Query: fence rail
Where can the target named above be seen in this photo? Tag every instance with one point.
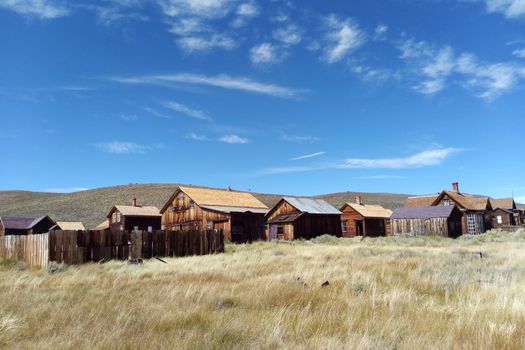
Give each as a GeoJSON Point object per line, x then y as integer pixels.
{"type": "Point", "coordinates": [77, 247]}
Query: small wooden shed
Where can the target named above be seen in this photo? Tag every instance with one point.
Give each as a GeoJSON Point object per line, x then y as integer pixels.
{"type": "Point", "coordinates": [505, 212]}
{"type": "Point", "coordinates": [292, 218]}
{"type": "Point", "coordinates": [368, 220]}
{"type": "Point", "coordinates": [69, 226]}
{"type": "Point", "coordinates": [10, 225]}
{"type": "Point", "coordinates": [442, 221]}
{"type": "Point", "coordinates": [134, 217]}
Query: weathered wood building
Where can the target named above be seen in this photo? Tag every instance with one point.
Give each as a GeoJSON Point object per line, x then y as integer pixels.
{"type": "Point", "coordinates": [292, 218]}
{"type": "Point", "coordinates": [238, 214]}
{"type": "Point", "coordinates": [367, 220]}
{"type": "Point", "coordinates": [476, 210]}
{"type": "Point", "coordinates": [134, 217]}
{"type": "Point", "coordinates": [442, 221]}
{"type": "Point", "coordinates": [505, 212]}
{"type": "Point", "coordinates": [10, 225]}
{"type": "Point", "coordinates": [69, 226]}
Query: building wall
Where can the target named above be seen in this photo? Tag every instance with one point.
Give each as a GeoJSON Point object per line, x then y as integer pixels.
{"type": "Point", "coordinates": [350, 216]}
{"type": "Point", "coordinates": [142, 222]}
{"type": "Point", "coordinates": [2, 230]}
{"type": "Point", "coordinates": [421, 227]}
{"type": "Point", "coordinates": [313, 225]}
{"type": "Point", "coordinates": [506, 218]}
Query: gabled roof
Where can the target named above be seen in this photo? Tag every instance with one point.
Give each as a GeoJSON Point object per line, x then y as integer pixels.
{"type": "Point", "coordinates": [18, 223]}
{"type": "Point", "coordinates": [311, 205]}
{"type": "Point", "coordinates": [129, 210]}
{"type": "Point", "coordinates": [465, 201]}
{"type": "Point", "coordinates": [229, 210]}
{"type": "Point", "coordinates": [421, 201]}
{"type": "Point", "coordinates": [284, 218]}
{"type": "Point", "coordinates": [104, 225]}
{"type": "Point", "coordinates": [217, 198]}
{"type": "Point", "coordinates": [424, 213]}
{"type": "Point", "coordinates": [503, 203]}
{"type": "Point", "coordinates": [70, 226]}
{"type": "Point", "coordinates": [369, 211]}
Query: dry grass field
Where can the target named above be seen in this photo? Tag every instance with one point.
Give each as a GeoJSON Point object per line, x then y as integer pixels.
{"type": "Point", "coordinates": [386, 293]}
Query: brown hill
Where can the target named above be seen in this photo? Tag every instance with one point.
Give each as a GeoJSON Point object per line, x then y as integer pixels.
{"type": "Point", "coordinates": [91, 206]}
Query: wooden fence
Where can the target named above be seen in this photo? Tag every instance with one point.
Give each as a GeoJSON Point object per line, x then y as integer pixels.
{"type": "Point", "coordinates": [32, 249]}
{"type": "Point", "coordinates": [77, 247]}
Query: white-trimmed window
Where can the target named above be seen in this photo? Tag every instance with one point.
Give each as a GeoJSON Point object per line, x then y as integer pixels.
{"type": "Point", "coordinates": [344, 226]}
{"type": "Point", "coordinates": [150, 229]}
{"type": "Point", "coordinates": [500, 219]}
{"type": "Point", "coordinates": [446, 202]}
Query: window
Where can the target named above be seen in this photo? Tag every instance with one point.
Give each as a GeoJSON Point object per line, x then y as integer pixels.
{"type": "Point", "coordinates": [114, 218]}
{"type": "Point", "coordinates": [192, 204]}
{"type": "Point", "coordinates": [446, 202]}
{"type": "Point", "coordinates": [118, 216]}
{"type": "Point", "coordinates": [171, 209]}
{"type": "Point", "coordinates": [150, 229]}
{"type": "Point", "coordinates": [344, 226]}
{"type": "Point", "coordinates": [135, 228]}
{"type": "Point", "coordinates": [209, 225]}
{"type": "Point", "coordinates": [500, 219]}
{"type": "Point", "coordinates": [280, 230]}
{"type": "Point", "coordinates": [180, 195]}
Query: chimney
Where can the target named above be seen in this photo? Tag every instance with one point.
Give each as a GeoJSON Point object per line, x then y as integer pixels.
{"type": "Point", "coordinates": [455, 187]}
{"type": "Point", "coordinates": [134, 202]}
{"type": "Point", "coordinates": [359, 200]}
{"type": "Point", "coordinates": [229, 188]}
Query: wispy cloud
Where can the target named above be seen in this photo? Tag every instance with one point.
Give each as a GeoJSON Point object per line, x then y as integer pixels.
{"type": "Point", "coordinates": [206, 42]}
{"type": "Point", "coordinates": [509, 8]}
{"type": "Point", "coordinates": [219, 81]}
{"type": "Point", "coordinates": [156, 113]}
{"type": "Point", "coordinates": [119, 147]}
{"type": "Point", "coordinates": [76, 88]}
{"type": "Point", "coordinates": [343, 37]}
{"type": "Point", "coordinates": [379, 177]}
{"type": "Point", "coordinates": [129, 117]}
{"type": "Point", "coordinates": [288, 35]}
{"type": "Point", "coordinates": [233, 139]}
{"type": "Point", "coordinates": [311, 155]}
{"type": "Point", "coordinates": [265, 53]}
{"type": "Point", "coordinates": [245, 12]}
{"type": "Point", "coordinates": [422, 159]}
{"type": "Point", "coordinates": [435, 67]}
{"type": "Point", "coordinates": [301, 139]}
{"type": "Point", "coordinates": [43, 9]}
{"type": "Point", "coordinates": [520, 53]}
{"type": "Point", "coordinates": [179, 107]}
{"type": "Point", "coordinates": [196, 137]}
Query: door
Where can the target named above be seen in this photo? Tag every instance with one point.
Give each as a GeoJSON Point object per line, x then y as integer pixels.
{"type": "Point", "coordinates": [359, 227]}
{"type": "Point", "coordinates": [273, 232]}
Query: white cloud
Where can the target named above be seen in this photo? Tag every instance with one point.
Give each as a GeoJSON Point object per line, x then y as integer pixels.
{"type": "Point", "coordinates": [434, 67]}
{"type": "Point", "coordinates": [371, 74]}
{"type": "Point", "coordinates": [200, 8]}
{"type": "Point", "coordinates": [129, 117]}
{"type": "Point", "coordinates": [196, 137]}
{"type": "Point", "coordinates": [510, 8]}
{"type": "Point", "coordinates": [118, 147]}
{"type": "Point", "coordinates": [289, 35]}
{"type": "Point", "coordinates": [187, 26]}
{"type": "Point", "coordinates": [66, 190]}
{"type": "Point", "coordinates": [233, 139]}
{"type": "Point", "coordinates": [302, 139]}
{"type": "Point", "coordinates": [179, 107]}
{"type": "Point", "coordinates": [520, 53]}
{"type": "Point", "coordinates": [156, 113]}
{"type": "Point", "coordinates": [220, 81]}
{"type": "Point", "coordinates": [311, 155]}
{"type": "Point", "coordinates": [421, 159]}
{"type": "Point", "coordinates": [343, 37]}
{"type": "Point", "coordinates": [264, 53]}
{"type": "Point", "coordinates": [248, 9]}
{"type": "Point", "coordinates": [206, 42]}
{"type": "Point", "coordinates": [43, 9]}
{"type": "Point", "coordinates": [380, 32]}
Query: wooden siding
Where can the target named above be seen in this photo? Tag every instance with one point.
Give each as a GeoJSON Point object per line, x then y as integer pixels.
{"type": "Point", "coordinates": [31, 249]}
{"type": "Point", "coordinates": [372, 227]}
{"type": "Point", "coordinates": [2, 231]}
{"type": "Point", "coordinates": [421, 227]}
{"type": "Point", "coordinates": [181, 214]}
{"type": "Point", "coordinates": [352, 218]}
{"type": "Point", "coordinates": [506, 218]}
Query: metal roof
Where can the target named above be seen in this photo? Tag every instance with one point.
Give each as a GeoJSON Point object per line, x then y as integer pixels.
{"type": "Point", "coordinates": [440, 211]}
{"type": "Point", "coordinates": [283, 218]}
{"type": "Point", "coordinates": [228, 210]}
{"type": "Point", "coordinates": [311, 206]}
{"type": "Point", "coordinates": [17, 223]}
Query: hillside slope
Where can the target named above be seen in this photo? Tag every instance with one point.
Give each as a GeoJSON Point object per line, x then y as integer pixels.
{"type": "Point", "coordinates": [91, 206]}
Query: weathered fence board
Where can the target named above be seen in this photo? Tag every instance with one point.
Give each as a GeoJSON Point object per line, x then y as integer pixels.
{"type": "Point", "coordinates": [31, 249]}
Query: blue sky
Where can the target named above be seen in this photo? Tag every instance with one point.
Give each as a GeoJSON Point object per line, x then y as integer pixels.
{"type": "Point", "coordinates": [296, 97]}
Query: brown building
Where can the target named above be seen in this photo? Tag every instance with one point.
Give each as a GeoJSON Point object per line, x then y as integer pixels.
{"type": "Point", "coordinates": [239, 214]}
{"type": "Point", "coordinates": [476, 210]}
{"type": "Point", "coordinates": [134, 218]}
{"type": "Point", "coordinates": [10, 225]}
{"type": "Point", "coordinates": [69, 226]}
{"type": "Point", "coordinates": [360, 219]}
{"type": "Point", "coordinates": [445, 221]}
{"type": "Point", "coordinates": [505, 212]}
{"type": "Point", "coordinates": [293, 218]}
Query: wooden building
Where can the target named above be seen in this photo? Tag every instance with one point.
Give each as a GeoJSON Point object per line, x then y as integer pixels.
{"type": "Point", "coordinates": [69, 226]}
{"type": "Point", "coordinates": [367, 220]}
{"type": "Point", "coordinates": [293, 218]}
{"type": "Point", "coordinates": [505, 212]}
{"type": "Point", "coordinates": [442, 221]}
{"type": "Point", "coordinates": [476, 210]}
{"type": "Point", "coordinates": [238, 214]}
{"type": "Point", "coordinates": [10, 225]}
{"type": "Point", "coordinates": [134, 217]}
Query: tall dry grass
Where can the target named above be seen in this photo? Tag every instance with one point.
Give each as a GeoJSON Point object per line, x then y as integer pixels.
{"type": "Point", "coordinates": [389, 293]}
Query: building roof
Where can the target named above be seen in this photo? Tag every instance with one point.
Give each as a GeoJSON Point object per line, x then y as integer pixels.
{"type": "Point", "coordinates": [421, 201]}
{"type": "Point", "coordinates": [104, 225]}
{"type": "Point", "coordinates": [70, 225]}
{"type": "Point", "coordinates": [219, 198]}
{"type": "Point", "coordinates": [311, 205]}
{"type": "Point", "coordinates": [370, 211]}
{"type": "Point", "coordinates": [503, 203]}
{"type": "Point", "coordinates": [465, 201]}
{"type": "Point", "coordinates": [19, 223]}
{"type": "Point", "coordinates": [284, 218]}
{"type": "Point", "coordinates": [129, 210]}
{"type": "Point", "coordinates": [440, 211]}
{"type": "Point", "coordinates": [229, 210]}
